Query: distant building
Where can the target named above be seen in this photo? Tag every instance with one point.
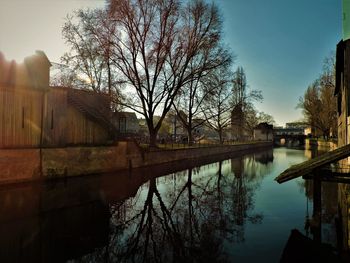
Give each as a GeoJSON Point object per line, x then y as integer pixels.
{"type": "Point", "coordinates": [126, 123]}
{"type": "Point", "coordinates": [237, 123]}
{"type": "Point", "coordinates": [296, 124]}
{"type": "Point", "coordinates": [178, 130]}
{"type": "Point", "coordinates": [200, 129]}
{"type": "Point", "coordinates": [288, 131]}
{"type": "Point", "coordinates": [308, 131]}
{"type": "Point", "coordinates": [263, 132]}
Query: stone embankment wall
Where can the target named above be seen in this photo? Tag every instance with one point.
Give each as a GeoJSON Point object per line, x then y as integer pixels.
{"type": "Point", "coordinates": [323, 145]}
{"type": "Point", "coordinates": [18, 165]}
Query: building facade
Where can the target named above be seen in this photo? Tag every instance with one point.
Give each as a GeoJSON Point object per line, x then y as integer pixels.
{"type": "Point", "coordinates": [343, 97]}
{"type": "Point", "coordinates": [33, 114]}
{"type": "Point", "coordinates": [126, 123]}
{"type": "Point", "coordinates": [263, 132]}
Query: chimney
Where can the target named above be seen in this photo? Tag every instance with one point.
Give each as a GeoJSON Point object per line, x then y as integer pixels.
{"type": "Point", "coordinates": [38, 66]}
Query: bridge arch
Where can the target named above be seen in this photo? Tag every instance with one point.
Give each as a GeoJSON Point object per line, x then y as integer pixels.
{"type": "Point", "coordinates": [289, 136]}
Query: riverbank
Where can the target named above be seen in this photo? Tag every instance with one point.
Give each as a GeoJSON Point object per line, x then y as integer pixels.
{"type": "Point", "coordinates": [21, 165]}
{"type": "Point", "coordinates": [322, 144]}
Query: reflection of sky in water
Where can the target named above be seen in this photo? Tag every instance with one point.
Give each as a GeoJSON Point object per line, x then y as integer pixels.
{"type": "Point", "coordinates": [231, 210]}
{"type": "Point", "coordinates": [252, 215]}
{"type": "Point", "coordinates": [283, 207]}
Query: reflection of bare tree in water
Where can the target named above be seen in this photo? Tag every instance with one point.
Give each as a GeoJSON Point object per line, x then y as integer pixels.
{"type": "Point", "coordinates": [246, 180]}
{"type": "Point", "coordinates": [150, 231]}
{"type": "Point", "coordinates": [185, 219]}
{"type": "Point", "coordinates": [240, 204]}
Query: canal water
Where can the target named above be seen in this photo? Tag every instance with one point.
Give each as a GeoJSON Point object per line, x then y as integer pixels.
{"type": "Point", "coordinates": [224, 211]}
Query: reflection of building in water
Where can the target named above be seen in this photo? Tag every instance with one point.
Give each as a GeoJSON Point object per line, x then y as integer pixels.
{"type": "Point", "coordinates": [256, 165]}
{"type": "Point", "coordinates": [264, 157]}
{"type": "Point", "coordinates": [237, 166]}
{"type": "Point", "coordinates": [327, 167]}
{"type": "Point", "coordinates": [51, 224]}
{"type": "Point", "coordinates": [320, 245]}
{"type": "Point", "coordinates": [308, 153]}
{"type": "Point", "coordinates": [344, 218]}
{"type": "Point", "coordinates": [62, 220]}
{"type": "Point", "coordinates": [332, 166]}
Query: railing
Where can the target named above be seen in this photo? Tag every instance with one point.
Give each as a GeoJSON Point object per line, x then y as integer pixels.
{"type": "Point", "coordinates": [182, 145]}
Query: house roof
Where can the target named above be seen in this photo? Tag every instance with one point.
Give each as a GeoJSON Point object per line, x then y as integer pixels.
{"type": "Point", "coordinates": [128, 115]}
{"type": "Point", "coordinates": [264, 126]}
{"type": "Point", "coordinates": [39, 55]}
{"type": "Point", "coordinates": [309, 166]}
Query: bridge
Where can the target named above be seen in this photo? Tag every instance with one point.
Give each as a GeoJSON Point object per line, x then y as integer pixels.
{"type": "Point", "coordinates": [289, 136]}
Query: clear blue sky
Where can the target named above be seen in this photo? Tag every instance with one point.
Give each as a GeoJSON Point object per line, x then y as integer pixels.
{"type": "Point", "coordinates": [280, 43]}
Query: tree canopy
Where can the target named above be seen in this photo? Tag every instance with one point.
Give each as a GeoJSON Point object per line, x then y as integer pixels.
{"type": "Point", "coordinates": [319, 104]}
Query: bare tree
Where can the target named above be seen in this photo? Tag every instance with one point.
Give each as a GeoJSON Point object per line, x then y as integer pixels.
{"type": "Point", "coordinates": [319, 103]}
{"type": "Point", "coordinates": [62, 75]}
{"type": "Point", "coordinates": [88, 33]}
{"type": "Point", "coordinates": [252, 118]}
{"type": "Point", "coordinates": [311, 104]}
{"type": "Point", "coordinates": [327, 87]}
{"type": "Point", "coordinates": [193, 95]}
{"type": "Point", "coordinates": [264, 117]}
{"type": "Point", "coordinates": [243, 112]}
{"type": "Point", "coordinates": [154, 47]}
{"type": "Point", "coordinates": [217, 107]}
{"type": "Point", "coordinates": [84, 57]}
{"type": "Point", "coordinates": [187, 106]}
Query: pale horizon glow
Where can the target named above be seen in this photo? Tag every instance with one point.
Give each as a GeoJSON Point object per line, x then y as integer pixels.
{"type": "Point", "coordinates": [30, 25]}
{"type": "Point", "coordinates": [280, 44]}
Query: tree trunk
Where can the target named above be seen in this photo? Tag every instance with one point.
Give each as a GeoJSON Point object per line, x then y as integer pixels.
{"type": "Point", "coordinates": [189, 137]}
{"type": "Point", "coordinates": [152, 138]}
{"type": "Point", "coordinates": [221, 137]}
{"type": "Point", "coordinates": [190, 209]}
{"type": "Point", "coordinates": [109, 79]}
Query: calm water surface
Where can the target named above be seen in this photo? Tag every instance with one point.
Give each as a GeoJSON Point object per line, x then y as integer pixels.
{"type": "Point", "coordinates": [226, 211]}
